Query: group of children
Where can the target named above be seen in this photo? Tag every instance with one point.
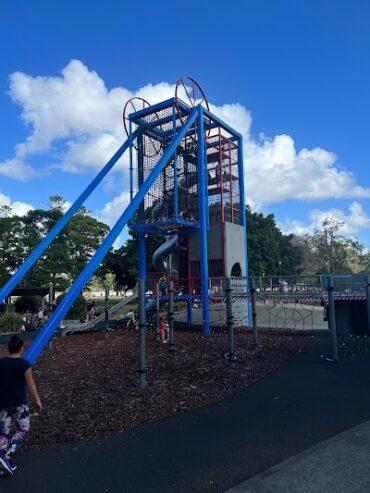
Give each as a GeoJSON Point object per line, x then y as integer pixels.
{"type": "Point", "coordinates": [31, 321]}
{"type": "Point", "coordinates": [133, 323]}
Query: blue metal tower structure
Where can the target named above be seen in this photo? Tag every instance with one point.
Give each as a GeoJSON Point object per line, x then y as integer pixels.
{"type": "Point", "coordinates": [169, 190]}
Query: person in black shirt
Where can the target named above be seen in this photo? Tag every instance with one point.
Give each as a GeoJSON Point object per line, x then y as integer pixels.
{"type": "Point", "coordinates": [15, 377]}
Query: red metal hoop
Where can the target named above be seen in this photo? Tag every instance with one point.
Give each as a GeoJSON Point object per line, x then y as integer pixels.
{"type": "Point", "coordinates": [132, 106]}
{"type": "Point", "coordinates": [190, 93]}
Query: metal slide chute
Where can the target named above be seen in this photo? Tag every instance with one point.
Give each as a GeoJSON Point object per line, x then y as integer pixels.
{"type": "Point", "coordinates": [63, 307]}
{"type": "Point", "coordinates": [163, 251]}
{"type": "Point", "coordinates": [80, 327]}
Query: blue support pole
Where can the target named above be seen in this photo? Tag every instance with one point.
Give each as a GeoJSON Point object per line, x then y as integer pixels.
{"type": "Point", "coordinates": [131, 163]}
{"type": "Point", "coordinates": [243, 219]}
{"type": "Point", "coordinates": [175, 181]}
{"type": "Point", "coordinates": [206, 187]}
{"type": "Point", "coordinates": [42, 246]}
{"type": "Point", "coordinates": [203, 212]}
{"type": "Point", "coordinates": [63, 307]}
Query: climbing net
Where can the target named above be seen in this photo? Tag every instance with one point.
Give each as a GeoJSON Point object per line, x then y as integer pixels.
{"type": "Point", "coordinates": [291, 313]}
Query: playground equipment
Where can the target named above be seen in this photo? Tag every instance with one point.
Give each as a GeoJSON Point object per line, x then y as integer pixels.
{"type": "Point", "coordinates": [187, 183]}
{"type": "Point", "coordinates": [73, 326]}
{"type": "Point", "coordinates": [197, 201]}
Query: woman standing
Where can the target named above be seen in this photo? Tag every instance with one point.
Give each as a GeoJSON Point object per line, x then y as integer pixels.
{"type": "Point", "coordinates": [15, 377]}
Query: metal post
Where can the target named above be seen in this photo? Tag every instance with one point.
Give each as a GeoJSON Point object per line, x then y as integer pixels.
{"type": "Point", "coordinates": [51, 308]}
{"type": "Point", "coordinates": [157, 306]}
{"type": "Point", "coordinates": [170, 318]}
{"type": "Point", "coordinates": [142, 309]}
{"type": "Point", "coordinates": [332, 323]}
{"type": "Point", "coordinates": [51, 298]}
{"type": "Point", "coordinates": [203, 214]}
{"type": "Point", "coordinates": [252, 291]}
{"type": "Point", "coordinates": [367, 287]}
{"type": "Point", "coordinates": [141, 334]}
{"type": "Point", "coordinates": [230, 324]}
{"type": "Point", "coordinates": [106, 311]}
{"type": "Point", "coordinates": [189, 306]}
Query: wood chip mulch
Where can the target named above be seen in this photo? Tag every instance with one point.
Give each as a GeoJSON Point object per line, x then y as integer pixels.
{"type": "Point", "coordinates": [88, 382]}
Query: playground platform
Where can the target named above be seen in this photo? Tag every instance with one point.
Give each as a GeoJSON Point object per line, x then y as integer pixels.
{"type": "Point", "coordinates": [215, 448]}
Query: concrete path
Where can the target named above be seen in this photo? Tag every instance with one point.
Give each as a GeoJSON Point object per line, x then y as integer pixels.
{"type": "Point", "coordinates": [338, 465]}
{"type": "Point", "coordinates": [215, 448]}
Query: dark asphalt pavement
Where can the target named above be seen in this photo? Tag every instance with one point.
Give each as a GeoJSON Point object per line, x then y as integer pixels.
{"type": "Point", "coordinates": [212, 449]}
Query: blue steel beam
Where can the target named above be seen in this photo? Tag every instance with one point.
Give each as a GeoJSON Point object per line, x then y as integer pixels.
{"type": "Point", "coordinates": [166, 104]}
{"type": "Point", "coordinates": [42, 246]}
{"type": "Point", "coordinates": [175, 184]}
{"type": "Point", "coordinates": [63, 307]}
{"type": "Point", "coordinates": [214, 120]}
{"type": "Point", "coordinates": [159, 107]}
{"type": "Point", "coordinates": [203, 213]}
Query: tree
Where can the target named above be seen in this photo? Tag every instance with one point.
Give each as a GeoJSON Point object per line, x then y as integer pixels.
{"type": "Point", "coordinates": [328, 252]}
{"type": "Point", "coordinates": [12, 248]}
{"type": "Point", "coordinates": [269, 251]}
{"type": "Point", "coordinates": [67, 255]}
{"type": "Point", "coordinates": [84, 236]}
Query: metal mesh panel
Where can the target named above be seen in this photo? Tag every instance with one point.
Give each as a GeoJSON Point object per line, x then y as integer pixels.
{"type": "Point", "coordinates": [159, 202]}
{"type": "Point", "coordinates": [166, 203]}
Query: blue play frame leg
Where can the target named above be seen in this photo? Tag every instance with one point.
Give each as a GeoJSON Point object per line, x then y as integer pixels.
{"type": "Point", "coordinates": [203, 213]}
{"type": "Point", "coordinates": [63, 307]}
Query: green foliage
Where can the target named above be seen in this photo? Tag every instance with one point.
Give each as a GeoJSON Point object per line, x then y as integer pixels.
{"type": "Point", "coordinates": [123, 263]}
{"type": "Point", "coordinates": [10, 322]}
{"type": "Point", "coordinates": [269, 251]}
{"type": "Point", "coordinates": [65, 257]}
{"type": "Point", "coordinates": [77, 310]}
{"type": "Point", "coordinates": [28, 303]}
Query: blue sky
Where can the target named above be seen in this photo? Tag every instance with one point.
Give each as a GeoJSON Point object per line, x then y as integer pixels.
{"type": "Point", "coordinates": [300, 71]}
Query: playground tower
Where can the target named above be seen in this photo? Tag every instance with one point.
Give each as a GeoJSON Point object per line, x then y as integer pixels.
{"type": "Point", "coordinates": [197, 201]}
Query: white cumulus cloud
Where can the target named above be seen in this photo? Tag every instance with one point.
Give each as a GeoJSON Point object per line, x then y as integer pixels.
{"type": "Point", "coordinates": [17, 208]}
{"type": "Point", "coordinates": [113, 209]}
{"type": "Point", "coordinates": [76, 121]}
{"type": "Point", "coordinates": [353, 221]}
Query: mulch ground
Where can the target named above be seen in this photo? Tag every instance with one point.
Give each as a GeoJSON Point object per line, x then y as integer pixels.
{"type": "Point", "coordinates": [88, 383]}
